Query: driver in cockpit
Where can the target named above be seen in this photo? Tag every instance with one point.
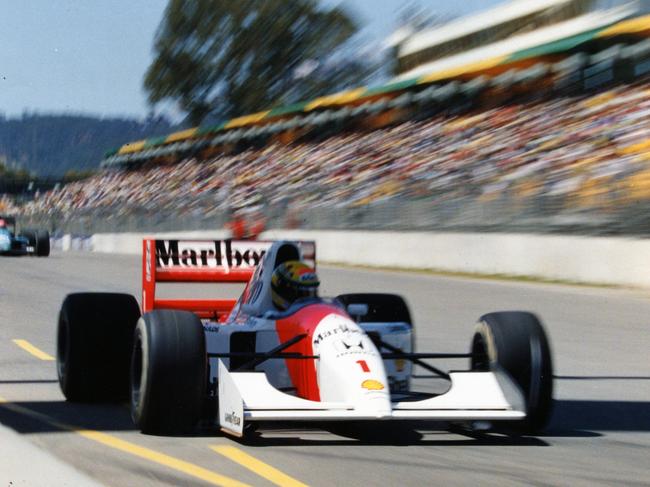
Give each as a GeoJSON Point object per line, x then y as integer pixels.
{"type": "Point", "coordinates": [293, 280]}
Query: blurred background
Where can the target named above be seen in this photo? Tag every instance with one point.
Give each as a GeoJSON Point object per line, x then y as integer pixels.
{"type": "Point", "coordinates": [466, 116]}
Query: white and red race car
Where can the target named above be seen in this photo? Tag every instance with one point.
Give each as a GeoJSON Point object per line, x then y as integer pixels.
{"type": "Point", "coordinates": [239, 362]}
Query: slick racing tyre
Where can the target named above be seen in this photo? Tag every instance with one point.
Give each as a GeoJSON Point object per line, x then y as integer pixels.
{"type": "Point", "coordinates": [42, 238]}
{"type": "Point", "coordinates": [383, 308]}
{"type": "Point", "coordinates": [168, 372]}
{"type": "Point", "coordinates": [94, 341]}
{"type": "Point", "coordinates": [515, 341]}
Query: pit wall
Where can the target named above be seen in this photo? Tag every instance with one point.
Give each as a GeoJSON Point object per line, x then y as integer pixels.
{"type": "Point", "coordinates": [594, 260]}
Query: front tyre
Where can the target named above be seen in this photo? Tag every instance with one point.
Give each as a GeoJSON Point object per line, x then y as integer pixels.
{"type": "Point", "coordinates": [168, 372]}
{"type": "Point", "coordinates": [515, 342]}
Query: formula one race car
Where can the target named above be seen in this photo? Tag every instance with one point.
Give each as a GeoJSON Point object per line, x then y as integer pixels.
{"type": "Point", "coordinates": [27, 242]}
{"type": "Point", "coordinates": [239, 362]}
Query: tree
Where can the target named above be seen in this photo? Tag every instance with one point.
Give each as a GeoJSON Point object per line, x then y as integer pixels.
{"type": "Point", "coordinates": [48, 145]}
{"type": "Point", "coordinates": [224, 58]}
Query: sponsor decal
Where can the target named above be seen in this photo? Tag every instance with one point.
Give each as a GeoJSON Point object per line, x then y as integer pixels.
{"type": "Point", "coordinates": [342, 329]}
{"type": "Point", "coordinates": [251, 295]}
{"type": "Point", "coordinates": [217, 253]}
{"type": "Point", "coordinates": [364, 365]}
{"type": "Point", "coordinates": [347, 344]}
{"type": "Point", "coordinates": [343, 337]}
{"type": "Point", "coordinates": [232, 418]}
{"type": "Point", "coordinates": [372, 385]}
{"type": "Point", "coordinates": [147, 265]}
{"type": "Point", "coordinates": [352, 345]}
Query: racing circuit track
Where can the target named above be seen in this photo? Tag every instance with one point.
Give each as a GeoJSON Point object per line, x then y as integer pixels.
{"type": "Point", "coordinates": [599, 432]}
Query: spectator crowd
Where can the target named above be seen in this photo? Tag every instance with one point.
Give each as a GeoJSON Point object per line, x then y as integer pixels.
{"type": "Point", "coordinates": [7, 206]}
{"type": "Point", "coordinates": [586, 151]}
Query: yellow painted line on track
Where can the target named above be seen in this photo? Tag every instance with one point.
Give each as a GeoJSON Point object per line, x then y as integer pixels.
{"type": "Point", "coordinates": [29, 348]}
{"type": "Point", "coordinates": [130, 448]}
{"type": "Point", "coordinates": [257, 466]}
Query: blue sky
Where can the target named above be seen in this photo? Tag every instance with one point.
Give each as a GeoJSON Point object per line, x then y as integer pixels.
{"type": "Point", "coordinates": [89, 56]}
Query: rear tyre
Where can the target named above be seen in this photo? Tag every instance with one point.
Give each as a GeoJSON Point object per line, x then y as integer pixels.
{"type": "Point", "coordinates": [382, 308]}
{"type": "Point", "coordinates": [94, 341]}
{"type": "Point", "coordinates": [515, 341]}
{"type": "Point", "coordinates": [168, 372]}
{"type": "Point", "coordinates": [42, 243]}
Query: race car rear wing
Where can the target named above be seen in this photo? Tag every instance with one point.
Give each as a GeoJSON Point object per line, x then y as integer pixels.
{"type": "Point", "coordinates": [215, 261]}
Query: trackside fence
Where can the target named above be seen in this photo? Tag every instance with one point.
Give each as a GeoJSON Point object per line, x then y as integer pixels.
{"type": "Point", "coordinates": [503, 214]}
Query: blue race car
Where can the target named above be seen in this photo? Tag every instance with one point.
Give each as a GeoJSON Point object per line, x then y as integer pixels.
{"type": "Point", "coordinates": [27, 242]}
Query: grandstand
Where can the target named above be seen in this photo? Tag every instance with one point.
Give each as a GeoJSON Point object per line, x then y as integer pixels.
{"type": "Point", "coordinates": [589, 55]}
{"type": "Point", "coordinates": [515, 141]}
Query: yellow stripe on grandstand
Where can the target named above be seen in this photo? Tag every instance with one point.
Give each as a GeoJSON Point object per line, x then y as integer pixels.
{"type": "Point", "coordinates": [637, 187]}
{"type": "Point", "coordinates": [246, 119]}
{"type": "Point", "coordinates": [182, 135]}
{"type": "Point", "coordinates": [465, 69]}
{"type": "Point", "coordinates": [336, 99]}
{"type": "Point", "coordinates": [636, 148]}
{"type": "Point", "coordinates": [132, 147]}
{"type": "Point", "coordinates": [596, 101]}
{"type": "Point", "coordinates": [632, 26]}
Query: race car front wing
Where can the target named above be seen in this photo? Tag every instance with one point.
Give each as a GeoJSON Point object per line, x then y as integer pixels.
{"type": "Point", "coordinates": [248, 396]}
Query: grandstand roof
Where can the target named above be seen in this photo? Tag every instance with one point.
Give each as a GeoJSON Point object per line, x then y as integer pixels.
{"type": "Point", "coordinates": [475, 23]}
{"type": "Point", "coordinates": [580, 28]}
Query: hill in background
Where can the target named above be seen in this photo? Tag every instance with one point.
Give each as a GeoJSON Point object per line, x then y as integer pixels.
{"type": "Point", "coordinates": [52, 145]}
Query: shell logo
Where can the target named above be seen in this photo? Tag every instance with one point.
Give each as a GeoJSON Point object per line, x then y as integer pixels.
{"type": "Point", "coordinates": [372, 385]}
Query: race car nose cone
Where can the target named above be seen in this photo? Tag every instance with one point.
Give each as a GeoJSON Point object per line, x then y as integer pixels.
{"type": "Point", "coordinates": [378, 407]}
{"type": "Point", "coordinates": [383, 415]}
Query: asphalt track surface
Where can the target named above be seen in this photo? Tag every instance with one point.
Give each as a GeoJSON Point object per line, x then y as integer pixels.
{"type": "Point", "coordinates": [599, 433]}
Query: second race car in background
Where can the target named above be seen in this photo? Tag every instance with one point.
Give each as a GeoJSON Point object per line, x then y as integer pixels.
{"type": "Point", "coordinates": [238, 362]}
{"type": "Point", "coordinates": [25, 242]}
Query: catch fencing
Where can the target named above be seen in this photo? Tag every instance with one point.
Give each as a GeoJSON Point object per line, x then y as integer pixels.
{"type": "Point", "coordinates": [466, 214]}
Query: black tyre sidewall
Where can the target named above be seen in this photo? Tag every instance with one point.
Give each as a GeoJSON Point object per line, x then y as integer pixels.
{"type": "Point", "coordinates": [94, 342]}
{"type": "Point", "coordinates": [42, 243]}
{"type": "Point", "coordinates": [140, 395]}
{"type": "Point", "coordinates": [516, 343]}
{"type": "Point", "coordinates": [172, 372]}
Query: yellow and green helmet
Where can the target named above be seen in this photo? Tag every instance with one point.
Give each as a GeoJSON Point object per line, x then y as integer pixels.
{"type": "Point", "coordinates": [293, 280]}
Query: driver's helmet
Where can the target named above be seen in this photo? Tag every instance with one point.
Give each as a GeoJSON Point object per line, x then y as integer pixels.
{"type": "Point", "coordinates": [293, 280]}
{"type": "Point", "coordinates": [3, 224]}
